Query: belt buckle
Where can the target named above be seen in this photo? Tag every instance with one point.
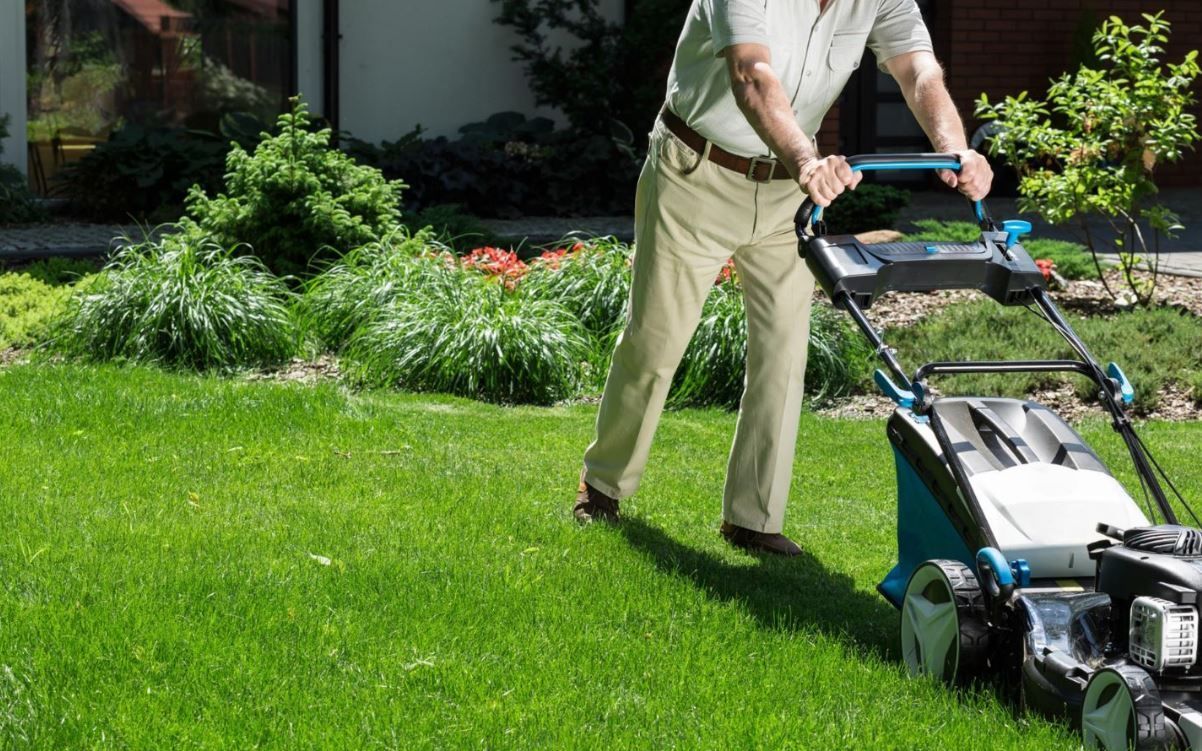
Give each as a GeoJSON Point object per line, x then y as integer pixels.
{"type": "Point", "coordinates": [756, 161]}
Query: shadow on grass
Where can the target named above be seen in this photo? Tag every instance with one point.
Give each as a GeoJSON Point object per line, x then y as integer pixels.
{"type": "Point", "coordinates": [781, 593]}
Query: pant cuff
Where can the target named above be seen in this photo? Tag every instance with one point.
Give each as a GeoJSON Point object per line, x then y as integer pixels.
{"type": "Point", "coordinates": [609, 490]}
{"type": "Point", "coordinates": [757, 524]}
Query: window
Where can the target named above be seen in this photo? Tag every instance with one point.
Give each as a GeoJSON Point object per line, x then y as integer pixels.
{"type": "Point", "coordinates": [94, 66]}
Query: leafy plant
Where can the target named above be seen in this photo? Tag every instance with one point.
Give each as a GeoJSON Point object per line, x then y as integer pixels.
{"type": "Point", "coordinates": [17, 204]}
{"type": "Point", "coordinates": [868, 207]}
{"type": "Point", "coordinates": [296, 200]}
{"type": "Point", "coordinates": [508, 166]}
{"type": "Point", "coordinates": [607, 78]}
{"type": "Point", "coordinates": [469, 335]}
{"type": "Point", "coordinates": [143, 171]}
{"type": "Point", "coordinates": [1092, 147]}
{"type": "Point", "coordinates": [181, 300]}
{"type": "Point", "coordinates": [839, 360]}
{"type": "Point", "coordinates": [367, 280]}
{"type": "Point", "coordinates": [58, 270]}
{"type": "Point", "coordinates": [27, 307]}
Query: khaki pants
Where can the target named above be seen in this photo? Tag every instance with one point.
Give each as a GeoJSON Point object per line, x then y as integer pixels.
{"type": "Point", "coordinates": [690, 217]}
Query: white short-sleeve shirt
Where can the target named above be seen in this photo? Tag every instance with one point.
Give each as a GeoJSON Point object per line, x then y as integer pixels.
{"type": "Point", "coordinates": [814, 53]}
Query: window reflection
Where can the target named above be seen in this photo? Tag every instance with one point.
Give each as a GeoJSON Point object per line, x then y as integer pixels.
{"type": "Point", "coordinates": [97, 65]}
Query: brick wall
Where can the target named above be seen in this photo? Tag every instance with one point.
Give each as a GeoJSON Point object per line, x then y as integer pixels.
{"type": "Point", "coordinates": [1006, 47]}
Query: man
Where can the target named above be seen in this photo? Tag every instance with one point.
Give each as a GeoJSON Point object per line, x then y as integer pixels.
{"type": "Point", "coordinates": [750, 83]}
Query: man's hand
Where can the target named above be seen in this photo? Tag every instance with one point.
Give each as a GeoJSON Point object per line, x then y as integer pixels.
{"type": "Point", "coordinates": [825, 179]}
{"type": "Point", "coordinates": [920, 77]}
{"type": "Point", "coordinates": [974, 178]}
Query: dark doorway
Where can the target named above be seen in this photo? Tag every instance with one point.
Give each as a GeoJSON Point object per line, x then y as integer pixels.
{"type": "Point", "coordinates": [874, 118]}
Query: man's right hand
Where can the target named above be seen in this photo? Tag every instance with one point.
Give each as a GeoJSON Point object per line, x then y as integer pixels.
{"type": "Point", "coordinates": [825, 179]}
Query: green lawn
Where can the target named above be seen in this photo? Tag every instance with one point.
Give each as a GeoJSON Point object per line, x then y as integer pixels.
{"type": "Point", "coordinates": [193, 562]}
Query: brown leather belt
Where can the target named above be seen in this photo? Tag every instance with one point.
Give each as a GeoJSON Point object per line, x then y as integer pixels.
{"type": "Point", "coordinates": [758, 169]}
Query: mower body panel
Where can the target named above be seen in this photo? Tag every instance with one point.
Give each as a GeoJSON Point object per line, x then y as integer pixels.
{"type": "Point", "coordinates": [1047, 514]}
{"type": "Point", "coordinates": [1033, 489]}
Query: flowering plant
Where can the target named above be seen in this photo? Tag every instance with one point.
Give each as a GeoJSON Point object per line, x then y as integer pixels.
{"type": "Point", "coordinates": [495, 262]}
{"type": "Point", "coordinates": [728, 274]}
{"type": "Point", "coordinates": [1045, 267]}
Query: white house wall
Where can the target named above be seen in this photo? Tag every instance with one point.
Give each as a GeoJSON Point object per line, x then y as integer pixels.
{"type": "Point", "coordinates": [12, 80]}
{"type": "Point", "coordinates": [438, 63]}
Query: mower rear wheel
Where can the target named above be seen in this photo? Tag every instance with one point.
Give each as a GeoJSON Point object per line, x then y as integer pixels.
{"type": "Point", "coordinates": [1122, 710]}
{"type": "Point", "coordinates": [943, 629]}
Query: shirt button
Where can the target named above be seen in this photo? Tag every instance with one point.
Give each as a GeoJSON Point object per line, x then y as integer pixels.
{"type": "Point", "coordinates": [809, 73]}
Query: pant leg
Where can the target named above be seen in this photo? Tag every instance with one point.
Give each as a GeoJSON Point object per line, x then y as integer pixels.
{"type": "Point", "coordinates": [689, 217]}
{"type": "Point", "coordinates": [777, 288]}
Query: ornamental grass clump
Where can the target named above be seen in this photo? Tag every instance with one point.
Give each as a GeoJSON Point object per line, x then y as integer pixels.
{"type": "Point", "coordinates": [181, 300]}
{"type": "Point", "coordinates": [470, 335]}
{"type": "Point", "coordinates": [367, 280]}
{"type": "Point", "coordinates": [590, 278]}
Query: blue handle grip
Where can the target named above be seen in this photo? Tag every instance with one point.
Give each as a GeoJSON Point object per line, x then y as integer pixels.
{"type": "Point", "coordinates": [1126, 390]}
{"type": "Point", "coordinates": [877, 165]}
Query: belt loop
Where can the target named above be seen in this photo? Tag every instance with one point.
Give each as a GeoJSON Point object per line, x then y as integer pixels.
{"type": "Point", "coordinates": [701, 157]}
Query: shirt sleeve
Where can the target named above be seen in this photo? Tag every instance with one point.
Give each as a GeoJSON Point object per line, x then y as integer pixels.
{"type": "Point", "coordinates": [736, 22]}
{"type": "Point", "coordinates": [898, 29]}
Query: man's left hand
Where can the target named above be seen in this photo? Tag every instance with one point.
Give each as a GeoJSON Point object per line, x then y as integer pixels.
{"type": "Point", "coordinates": [975, 177]}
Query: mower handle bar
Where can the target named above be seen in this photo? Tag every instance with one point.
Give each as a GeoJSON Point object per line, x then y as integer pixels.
{"type": "Point", "coordinates": [809, 215]}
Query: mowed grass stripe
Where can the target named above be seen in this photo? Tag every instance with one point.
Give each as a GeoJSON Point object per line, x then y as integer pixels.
{"type": "Point", "coordinates": [165, 580]}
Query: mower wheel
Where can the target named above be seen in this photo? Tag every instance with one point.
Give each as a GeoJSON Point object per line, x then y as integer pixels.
{"type": "Point", "coordinates": [943, 625]}
{"type": "Point", "coordinates": [1122, 710]}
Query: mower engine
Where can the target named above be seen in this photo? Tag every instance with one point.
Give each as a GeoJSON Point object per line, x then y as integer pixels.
{"type": "Point", "coordinates": [1153, 579]}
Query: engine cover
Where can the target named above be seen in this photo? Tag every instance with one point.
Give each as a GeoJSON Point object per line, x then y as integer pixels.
{"type": "Point", "coordinates": [1135, 569]}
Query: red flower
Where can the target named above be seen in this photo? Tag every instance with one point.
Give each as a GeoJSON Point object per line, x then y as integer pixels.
{"type": "Point", "coordinates": [553, 258]}
{"type": "Point", "coordinates": [727, 274]}
{"type": "Point", "coordinates": [495, 262]}
{"type": "Point", "coordinates": [1045, 267]}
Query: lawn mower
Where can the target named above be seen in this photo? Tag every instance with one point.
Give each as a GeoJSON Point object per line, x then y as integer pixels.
{"type": "Point", "coordinates": [1021, 559]}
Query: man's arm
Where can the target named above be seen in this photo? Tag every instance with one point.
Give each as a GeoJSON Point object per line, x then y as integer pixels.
{"type": "Point", "coordinates": [920, 77]}
{"type": "Point", "coordinates": [764, 103]}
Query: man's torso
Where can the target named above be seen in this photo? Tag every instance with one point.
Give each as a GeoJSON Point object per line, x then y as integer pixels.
{"type": "Point", "coordinates": [814, 53]}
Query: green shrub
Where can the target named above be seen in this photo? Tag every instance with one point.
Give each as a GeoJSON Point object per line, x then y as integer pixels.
{"type": "Point", "coordinates": [59, 270]}
{"type": "Point", "coordinates": [868, 207]}
{"type": "Point", "coordinates": [182, 300]}
{"type": "Point", "coordinates": [591, 279]}
{"type": "Point", "coordinates": [467, 334]}
{"type": "Point", "coordinates": [142, 171]}
{"type": "Point", "coordinates": [1092, 146]}
{"type": "Point", "coordinates": [366, 280]}
{"type": "Point", "coordinates": [1154, 347]}
{"type": "Point", "coordinates": [296, 200]}
{"type": "Point", "coordinates": [17, 204]}
{"type": "Point", "coordinates": [27, 307]}
{"type": "Point", "coordinates": [1073, 261]}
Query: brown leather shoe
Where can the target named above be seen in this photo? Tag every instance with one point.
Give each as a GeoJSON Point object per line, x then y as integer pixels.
{"type": "Point", "coordinates": [762, 542]}
{"type": "Point", "coordinates": [593, 505]}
